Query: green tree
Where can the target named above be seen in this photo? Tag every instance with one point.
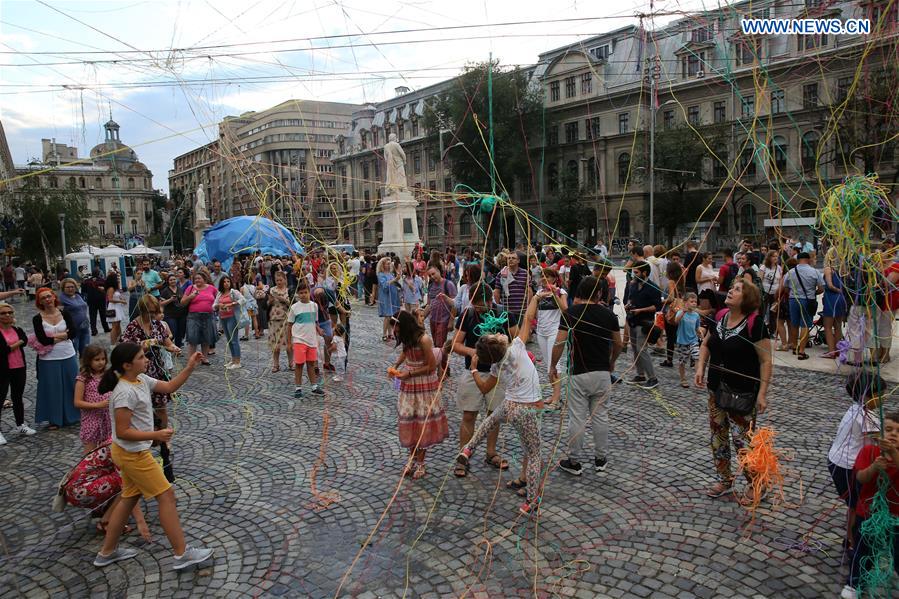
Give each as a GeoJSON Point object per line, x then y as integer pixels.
{"type": "Point", "coordinates": [680, 153]}
{"type": "Point", "coordinates": [516, 120]}
{"type": "Point", "coordinates": [567, 215]}
{"type": "Point", "coordinates": [178, 233]}
{"type": "Point", "coordinates": [35, 211]}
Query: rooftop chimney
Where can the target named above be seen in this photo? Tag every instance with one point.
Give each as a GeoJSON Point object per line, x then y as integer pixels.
{"type": "Point", "coordinates": [401, 90]}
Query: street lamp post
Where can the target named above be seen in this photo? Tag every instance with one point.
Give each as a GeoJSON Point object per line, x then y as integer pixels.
{"type": "Point", "coordinates": [62, 232]}
{"type": "Point", "coordinates": [653, 72]}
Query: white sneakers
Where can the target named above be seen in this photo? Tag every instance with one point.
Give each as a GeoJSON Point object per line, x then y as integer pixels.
{"type": "Point", "coordinates": [232, 366]}
{"type": "Point", "coordinates": [22, 430]}
{"type": "Point", "coordinates": [848, 593]}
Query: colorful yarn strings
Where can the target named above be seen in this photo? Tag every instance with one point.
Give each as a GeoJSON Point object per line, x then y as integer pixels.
{"type": "Point", "coordinates": [761, 461]}
{"type": "Point", "coordinates": [491, 324]}
{"type": "Point", "coordinates": [848, 213]}
{"type": "Point", "coordinates": [877, 533]}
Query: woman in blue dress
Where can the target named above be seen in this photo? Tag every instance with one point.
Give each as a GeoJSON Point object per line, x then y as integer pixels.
{"type": "Point", "coordinates": [835, 307]}
{"type": "Point", "coordinates": [388, 295]}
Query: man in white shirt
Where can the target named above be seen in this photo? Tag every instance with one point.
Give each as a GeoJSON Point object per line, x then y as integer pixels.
{"type": "Point", "coordinates": [20, 276]}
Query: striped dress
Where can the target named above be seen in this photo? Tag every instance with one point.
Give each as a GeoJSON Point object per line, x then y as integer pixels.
{"type": "Point", "coordinates": [419, 408]}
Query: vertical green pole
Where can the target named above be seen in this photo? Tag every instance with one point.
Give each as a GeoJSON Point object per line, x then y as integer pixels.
{"type": "Point", "coordinates": [490, 122]}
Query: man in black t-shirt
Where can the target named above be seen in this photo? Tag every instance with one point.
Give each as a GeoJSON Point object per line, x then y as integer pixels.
{"type": "Point", "coordinates": [468, 397]}
{"type": "Point", "coordinates": [595, 344]}
{"type": "Point", "coordinates": [576, 274]}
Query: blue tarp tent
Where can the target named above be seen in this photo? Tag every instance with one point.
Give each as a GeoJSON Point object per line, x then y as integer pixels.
{"type": "Point", "coordinates": [246, 235]}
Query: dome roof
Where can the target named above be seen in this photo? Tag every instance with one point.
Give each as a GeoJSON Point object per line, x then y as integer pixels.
{"type": "Point", "coordinates": [112, 150]}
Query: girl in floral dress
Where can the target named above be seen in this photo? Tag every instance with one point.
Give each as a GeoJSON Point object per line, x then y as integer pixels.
{"type": "Point", "coordinates": [95, 425]}
{"type": "Point", "coordinates": [422, 421]}
{"type": "Point", "coordinates": [278, 305]}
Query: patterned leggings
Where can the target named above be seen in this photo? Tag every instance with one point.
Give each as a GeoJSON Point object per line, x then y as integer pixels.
{"type": "Point", "coordinates": [721, 423]}
{"type": "Point", "coordinates": [524, 419]}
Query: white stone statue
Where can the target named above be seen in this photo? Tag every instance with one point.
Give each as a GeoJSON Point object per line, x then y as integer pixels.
{"type": "Point", "coordinates": [396, 165]}
{"type": "Point", "coordinates": [200, 206]}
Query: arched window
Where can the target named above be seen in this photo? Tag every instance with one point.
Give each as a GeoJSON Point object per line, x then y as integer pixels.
{"type": "Point", "coordinates": [432, 227]}
{"type": "Point", "coordinates": [366, 233]}
{"type": "Point", "coordinates": [363, 138]}
{"type": "Point", "coordinates": [101, 227]}
{"type": "Point", "coordinates": [134, 227]}
{"type": "Point", "coordinates": [747, 219]}
{"type": "Point", "coordinates": [747, 162]}
{"type": "Point", "coordinates": [720, 164]}
{"type": "Point", "coordinates": [552, 177]}
{"type": "Point", "coordinates": [375, 137]}
{"type": "Point", "coordinates": [448, 226]}
{"type": "Point", "coordinates": [592, 174]}
{"type": "Point", "coordinates": [53, 182]}
{"type": "Point", "coordinates": [98, 183]}
{"type": "Point", "coordinates": [809, 209]}
{"type": "Point", "coordinates": [779, 152]}
{"type": "Point", "coordinates": [465, 225]}
{"type": "Point", "coordinates": [71, 182]}
{"type": "Point", "coordinates": [130, 182]}
{"type": "Point", "coordinates": [146, 183]}
{"type": "Point", "coordinates": [624, 224]}
{"type": "Point", "coordinates": [81, 182]}
{"type": "Point", "coordinates": [624, 163]}
{"type": "Point", "coordinates": [379, 231]}
{"type": "Point", "coordinates": [809, 149]}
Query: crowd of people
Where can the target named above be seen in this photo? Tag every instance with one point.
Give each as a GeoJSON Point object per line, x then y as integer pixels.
{"type": "Point", "coordinates": [719, 325]}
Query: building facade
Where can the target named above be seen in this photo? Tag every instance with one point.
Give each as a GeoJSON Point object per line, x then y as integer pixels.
{"type": "Point", "coordinates": [276, 162]}
{"type": "Point", "coordinates": [117, 186]}
{"type": "Point", "coordinates": [771, 100]}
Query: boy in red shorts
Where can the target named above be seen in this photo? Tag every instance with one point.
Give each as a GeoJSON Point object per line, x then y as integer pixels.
{"type": "Point", "coordinates": [304, 334]}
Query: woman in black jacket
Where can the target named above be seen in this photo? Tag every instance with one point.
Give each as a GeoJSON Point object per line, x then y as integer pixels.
{"type": "Point", "coordinates": [12, 367]}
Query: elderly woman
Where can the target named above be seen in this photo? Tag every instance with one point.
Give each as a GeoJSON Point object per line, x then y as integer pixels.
{"type": "Point", "coordinates": [199, 298]}
{"type": "Point", "coordinates": [738, 351]}
{"type": "Point", "coordinates": [57, 366]}
{"type": "Point", "coordinates": [12, 367]}
{"type": "Point", "coordinates": [77, 308]}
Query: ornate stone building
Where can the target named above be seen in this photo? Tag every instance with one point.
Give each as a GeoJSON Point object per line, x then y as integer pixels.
{"type": "Point", "coordinates": [118, 187]}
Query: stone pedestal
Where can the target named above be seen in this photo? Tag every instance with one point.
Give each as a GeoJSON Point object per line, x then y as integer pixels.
{"type": "Point", "coordinates": [400, 223]}
{"type": "Point", "coordinates": [199, 227]}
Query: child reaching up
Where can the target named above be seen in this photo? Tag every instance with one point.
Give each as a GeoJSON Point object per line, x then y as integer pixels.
{"type": "Point", "coordinates": [509, 361]}
{"type": "Point", "coordinates": [686, 350]}
{"type": "Point", "coordinates": [132, 435]}
{"type": "Point", "coordinates": [95, 425]}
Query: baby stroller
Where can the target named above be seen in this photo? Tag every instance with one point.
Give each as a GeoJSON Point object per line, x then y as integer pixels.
{"type": "Point", "coordinates": [816, 333]}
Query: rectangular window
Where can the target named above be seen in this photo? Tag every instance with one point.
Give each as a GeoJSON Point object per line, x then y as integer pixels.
{"type": "Point", "coordinates": [592, 127]}
{"type": "Point", "coordinates": [586, 84]}
{"type": "Point", "coordinates": [132, 205]}
{"type": "Point", "coordinates": [720, 112]}
{"type": "Point", "coordinates": [602, 52]}
{"type": "Point", "coordinates": [624, 122]}
{"type": "Point", "coordinates": [692, 64]}
{"type": "Point", "coordinates": [100, 207]}
{"type": "Point", "coordinates": [777, 101]}
{"type": "Point", "coordinates": [367, 197]}
{"type": "Point", "coordinates": [400, 129]}
{"type": "Point", "coordinates": [432, 162]}
{"type": "Point", "coordinates": [432, 185]}
{"type": "Point", "coordinates": [377, 165]}
{"type": "Point", "coordinates": [416, 163]}
{"type": "Point", "coordinates": [747, 110]}
{"type": "Point", "coordinates": [118, 229]}
{"type": "Point", "coordinates": [810, 95]}
{"type": "Point", "coordinates": [414, 127]}
{"type": "Point", "coordinates": [719, 165]}
{"type": "Point", "coordinates": [101, 228]}
{"type": "Point", "coordinates": [668, 119]}
{"type": "Point", "coordinates": [554, 91]}
{"type": "Point", "coordinates": [571, 132]}
{"type": "Point", "coordinates": [693, 115]}
{"type": "Point", "coordinates": [447, 184]}
{"type": "Point", "coordinates": [811, 42]}
{"type": "Point", "coordinates": [570, 87]}
{"type": "Point", "coordinates": [407, 226]}
{"type": "Point", "coordinates": [365, 172]}
{"type": "Point", "coordinates": [527, 187]}
{"type": "Point", "coordinates": [843, 85]}
{"type": "Point", "coordinates": [553, 135]}
{"type": "Point", "coordinates": [702, 34]}
{"type": "Point", "coordinates": [346, 202]}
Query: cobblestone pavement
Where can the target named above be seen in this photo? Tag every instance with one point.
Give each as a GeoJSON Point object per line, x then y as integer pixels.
{"type": "Point", "coordinates": [283, 523]}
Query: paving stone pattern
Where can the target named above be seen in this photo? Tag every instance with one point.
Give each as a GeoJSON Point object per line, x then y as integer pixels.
{"type": "Point", "coordinates": [246, 454]}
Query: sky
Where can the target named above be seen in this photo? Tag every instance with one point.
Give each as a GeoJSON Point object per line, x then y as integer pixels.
{"type": "Point", "coordinates": [169, 71]}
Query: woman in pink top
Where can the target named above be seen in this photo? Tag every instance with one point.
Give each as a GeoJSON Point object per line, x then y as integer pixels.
{"type": "Point", "coordinates": [12, 367]}
{"type": "Point", "coordinates": [199, 298]}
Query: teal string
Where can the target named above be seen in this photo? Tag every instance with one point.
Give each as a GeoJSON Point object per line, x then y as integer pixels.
{"type": "Point", "coordinates": [491, 324]}
{"type": "Point", "coordinates": [877, 532]}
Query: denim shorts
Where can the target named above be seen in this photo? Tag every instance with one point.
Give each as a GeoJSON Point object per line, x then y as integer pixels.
{"type": "Point", "coordinates": [326, 328]}
{"type": "Point", "coordinates": [200, 328]}
{"type": "Point", "coordinates": [802, 312]}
